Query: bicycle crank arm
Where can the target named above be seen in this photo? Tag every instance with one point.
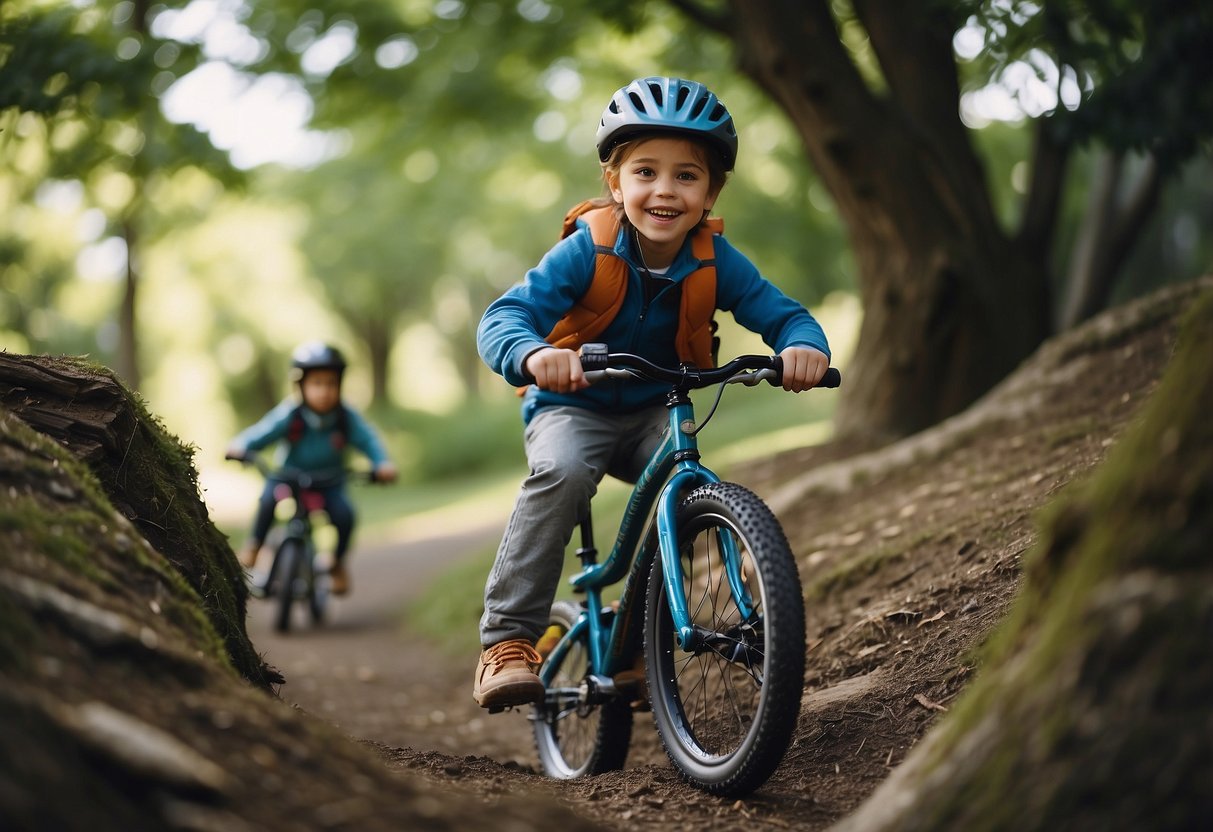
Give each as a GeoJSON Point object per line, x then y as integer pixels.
{"type": "Point", "coordinates": [598, 689]}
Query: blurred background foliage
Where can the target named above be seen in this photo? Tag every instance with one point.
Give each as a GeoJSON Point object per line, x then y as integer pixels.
{"type": "Point", "coordinates": [191, 188]}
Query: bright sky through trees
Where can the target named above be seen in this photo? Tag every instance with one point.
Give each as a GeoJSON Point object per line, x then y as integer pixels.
{"type": "Point", "coordinates": [264, 119]}
{"type": "Point", "coordinates": [257, 119]}
{"type": "Point", "coordinates": [1025, 89]}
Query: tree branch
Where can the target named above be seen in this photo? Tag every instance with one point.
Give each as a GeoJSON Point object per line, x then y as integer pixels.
{"type": "Point", "coordinates": [1110, 230]}
{"type": "Point", "coordinates": [719, 21]}
{"type": "Point", "coordinates": [1038, 223]}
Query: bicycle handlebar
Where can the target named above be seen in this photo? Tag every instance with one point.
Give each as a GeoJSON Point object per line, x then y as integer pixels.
{"type": "Point", "coordinates": [744, 369]}
{"type": "Point", "coordinates": [297, 477]}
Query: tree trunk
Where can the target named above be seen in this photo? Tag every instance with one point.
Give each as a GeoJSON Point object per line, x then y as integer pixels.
{"type": "Point", "coordinates": [951, 304]}
{"type": "Point", "coordinates": [128, 346]}
{"type": "Point", "coordinates": [378, 338]}
{"type": "Point", "coordinates": [128, 318]}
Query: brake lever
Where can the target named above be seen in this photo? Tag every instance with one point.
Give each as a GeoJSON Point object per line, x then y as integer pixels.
{"type": "Point", "coordinates": [595, 376]}
{"type": "Point", "coordinates": [753, 378]}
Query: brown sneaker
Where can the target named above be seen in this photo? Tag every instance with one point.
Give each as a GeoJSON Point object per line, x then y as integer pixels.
{"type": "Point", "coordinates": [339, 579]}
{"type": "Point", "coordinates": [505, 676]}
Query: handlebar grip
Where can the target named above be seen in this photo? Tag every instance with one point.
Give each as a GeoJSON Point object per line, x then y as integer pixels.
{"type": "Point", "coordinates": [593, 357]}
{"type": "Point", "coordinates": [832, 377]}
{"type": "Point", "coordinates": [776, 365]}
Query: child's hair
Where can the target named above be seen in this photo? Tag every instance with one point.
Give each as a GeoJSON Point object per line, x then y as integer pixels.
{"type": "Point", "coordinates": [718, 171]}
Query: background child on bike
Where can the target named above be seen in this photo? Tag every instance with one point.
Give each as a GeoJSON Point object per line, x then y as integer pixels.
{"type": "Point", "coordinates": [666, 146]}
{"type": "Point", "coordinates": [314, 433]}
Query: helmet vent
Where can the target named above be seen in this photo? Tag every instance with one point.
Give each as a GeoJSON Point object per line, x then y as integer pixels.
{"type": "Point", "coordinates": [718, 112]}
{"type": "Point", "coordinates": [637, 102]}
{"type": "Point", "coordinates": [698, 106]}
{"type": "Point", "coordinates": [655, 89]}
{"type": "Point", "coordinates": [683, 92]}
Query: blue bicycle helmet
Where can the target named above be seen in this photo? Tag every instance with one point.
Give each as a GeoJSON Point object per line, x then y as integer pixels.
{"type": "Point", "coordinates": [316, 355]}
{"type": "Point", "coordinates": [667, 105]}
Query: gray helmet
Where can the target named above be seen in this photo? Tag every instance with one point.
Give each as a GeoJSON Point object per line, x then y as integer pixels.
{"type": "Point", "coordinates": [315, 355]}
{"type": "Point", "coordinates": [667, 105]}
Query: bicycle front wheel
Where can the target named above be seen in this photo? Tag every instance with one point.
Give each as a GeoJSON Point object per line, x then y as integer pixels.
{"type": "Point", "coordinates": [287, 564]}
{"type": "Point", "coordinates": [318, 588]}
{"type": "Point", "coordinates": [574, 736]}
{"type": "Point", "coordinates": [726, 709]}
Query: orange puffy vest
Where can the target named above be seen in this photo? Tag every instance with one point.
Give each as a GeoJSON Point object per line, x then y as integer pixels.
{"type": "Point", "coordinates": [602, 301]}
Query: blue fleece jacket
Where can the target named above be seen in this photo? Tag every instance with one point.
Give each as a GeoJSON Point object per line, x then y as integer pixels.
{"type": "Point", "coordinates": [514, 326]}
{"type": "Point", "coordinates": [317, 450]}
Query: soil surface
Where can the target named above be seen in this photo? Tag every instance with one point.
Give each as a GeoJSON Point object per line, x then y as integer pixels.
{"type": "Point", "coordinates": [910, 556]}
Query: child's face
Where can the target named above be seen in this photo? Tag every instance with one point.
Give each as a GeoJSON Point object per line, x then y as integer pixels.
{"type": "Point", "coordinates": [321, 389]}
{"type": "Point", "coordinates": [665, 189]}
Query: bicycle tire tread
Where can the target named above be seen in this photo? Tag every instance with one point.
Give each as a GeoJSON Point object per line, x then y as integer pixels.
{"type": "Point", "coordinates": [765, 749]}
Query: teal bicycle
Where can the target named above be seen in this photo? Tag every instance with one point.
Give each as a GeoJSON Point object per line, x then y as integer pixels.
{"type": "Point", "coordinates": [711, 605]}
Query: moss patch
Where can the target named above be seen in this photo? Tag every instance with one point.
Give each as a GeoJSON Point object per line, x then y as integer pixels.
{"type": "Point", "coordinates": [143, 472]}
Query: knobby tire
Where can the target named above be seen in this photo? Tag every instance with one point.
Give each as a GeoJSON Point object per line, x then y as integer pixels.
{"type": "Point", "coordinates": [726, 712]}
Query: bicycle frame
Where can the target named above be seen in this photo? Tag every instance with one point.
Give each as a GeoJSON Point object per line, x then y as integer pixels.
{"type": "Point", "coordinates": [299, 525]}
{"type": "Point", "coordinates": [673, 470]}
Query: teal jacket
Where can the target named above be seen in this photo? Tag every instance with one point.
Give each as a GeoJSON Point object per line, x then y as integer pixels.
{"type": "Point", "coordinates": [515, 325]}
{"type": "Point", "coordinates": [319, 447]}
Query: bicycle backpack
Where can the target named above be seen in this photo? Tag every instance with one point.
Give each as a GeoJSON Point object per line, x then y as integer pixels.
{"type": "Point", "coordinates": [695, 340]}
{"type": "Point", "coordinates": [296, 426]}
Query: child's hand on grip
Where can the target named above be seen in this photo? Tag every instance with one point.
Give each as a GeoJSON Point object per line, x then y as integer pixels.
{"type": "Point", "coordinates": [803, 367]}
{"type": "Point", "coordinates": [556, 370]}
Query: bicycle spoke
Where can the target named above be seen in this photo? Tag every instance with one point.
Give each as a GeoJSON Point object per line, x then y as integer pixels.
{"type": "Point", "coordinates": [715, 704]}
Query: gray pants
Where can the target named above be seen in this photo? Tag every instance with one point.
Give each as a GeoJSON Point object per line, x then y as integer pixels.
{"type": "Point", "coordinates": [568, 449]}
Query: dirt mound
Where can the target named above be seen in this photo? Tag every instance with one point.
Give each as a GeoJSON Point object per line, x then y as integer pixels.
{"type": "Point", "coordinates": [122, 685]}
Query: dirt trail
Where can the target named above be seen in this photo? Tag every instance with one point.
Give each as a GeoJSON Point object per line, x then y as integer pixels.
{"type": "Point", "coordinates": [363, 672]}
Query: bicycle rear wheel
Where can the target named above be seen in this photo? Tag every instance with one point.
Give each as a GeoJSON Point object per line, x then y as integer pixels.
{"type": "Point", "coordinates": [572, 736]}
{"type": "Point", "coordinates": [726, 710]}
{"type": "Point", "coordinates": [287, 565]}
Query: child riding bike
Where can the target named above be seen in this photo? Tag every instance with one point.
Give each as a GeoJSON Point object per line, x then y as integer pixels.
{"type": "Point", "coordinates": [314, 433]}
{"type": "Point", "coordinates": [666, 146]}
